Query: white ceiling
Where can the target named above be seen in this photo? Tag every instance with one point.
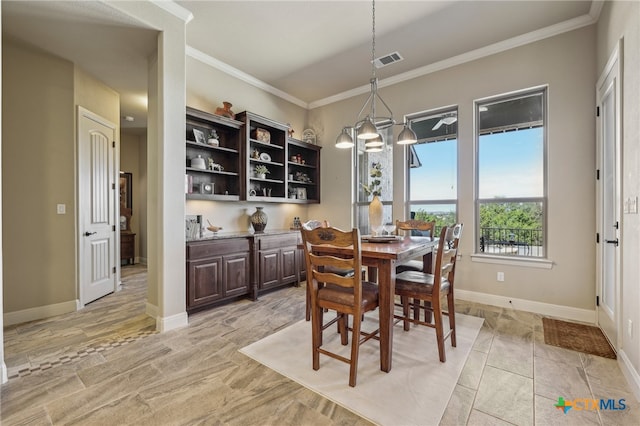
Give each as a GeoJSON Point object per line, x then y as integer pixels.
{"type": "Point", "coordinates": [311, 52]}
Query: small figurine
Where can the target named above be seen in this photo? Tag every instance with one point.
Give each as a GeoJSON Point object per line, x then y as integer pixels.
{"type": "Point", "coordinates": [213, 138]}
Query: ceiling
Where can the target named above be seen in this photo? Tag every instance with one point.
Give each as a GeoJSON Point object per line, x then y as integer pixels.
{"type": "Point", "coordinates": [310, 52]}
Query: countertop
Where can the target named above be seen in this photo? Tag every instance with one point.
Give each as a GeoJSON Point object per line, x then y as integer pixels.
{"type": "Point", "coordinates": [208, 235]}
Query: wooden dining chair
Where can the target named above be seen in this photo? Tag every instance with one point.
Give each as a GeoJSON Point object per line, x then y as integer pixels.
{"type": "Point", "coordinates": [313, 224]}
{"type": "Point", "coordinates": [416, 228]}
{"type": "Point", "coordinates": [347, 295]}
{"type": "Point", "coordinates": [430, 288]}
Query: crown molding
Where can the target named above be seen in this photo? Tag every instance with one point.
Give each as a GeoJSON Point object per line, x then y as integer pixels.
{"type": "Point", "coordinates": [175, 9]}
{"type": "Point", "coordinates": [534, 36]}
{"type": "Point", "coordinates": [240, 75]}
{"type": "Point", "coordinates": [473, 55]}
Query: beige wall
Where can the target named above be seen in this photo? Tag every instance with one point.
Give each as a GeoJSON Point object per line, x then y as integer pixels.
{"type": "Point", "coordinates": [38, 173]}
{"type": "Point", "coordinates": [566, 63]}
{"type": "Point", "coordinates": [207, 88]}
{"type": "Point", "coordinates": [622, 20]}
{"type": "Point", "coordinates": [41, 92]}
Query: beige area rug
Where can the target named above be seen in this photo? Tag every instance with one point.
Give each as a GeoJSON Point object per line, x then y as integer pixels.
{"type": "Point", "coordinates": [578, 337]}
{"type": "Point", "coordinates": [415, 392]}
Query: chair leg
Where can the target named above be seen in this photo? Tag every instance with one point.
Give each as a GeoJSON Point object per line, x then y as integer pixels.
{"type": "Point", "coordinates": [416, 309]}
{"type": "Point", "coordinates": [308, 307]}
{"type": "Point", "coordinates": [437, 316]}
{"type": "Point", "coordinates": [452, 318]}
{"type": "Point", "coordinates": [355, 350]}
{"type": "Point", "coordinates": [316, 335]}
{"type": "Point", "coordinates": [405, 311]}
{"type": "Point", "coordinates": [343, 328]}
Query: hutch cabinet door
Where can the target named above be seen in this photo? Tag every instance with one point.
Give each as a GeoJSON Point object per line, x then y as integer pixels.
{"type": "Point", "coordinates": [289, 269]}
{"type": "Point", "coordinates": [236, 274]}
{"type": "Point", "coordinates": [205, 281]}
{"type": "Point", "coordinates": [269, 268]}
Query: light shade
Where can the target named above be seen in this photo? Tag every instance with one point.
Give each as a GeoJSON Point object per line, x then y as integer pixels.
{"type": "Point", "coordinates": [407, 136]}
{"type": "Point", "coordinates": [373, 149]}
{"type": "Point", "coordinates": [368, 130]}
{"type": "Point", "coordinates": [377, 141]}
{"type": "Point", "coordinates": [344, 140]}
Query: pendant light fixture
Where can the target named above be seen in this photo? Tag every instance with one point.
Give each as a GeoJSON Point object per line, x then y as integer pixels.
{"type": "Point", "coordinates": [368, 127]}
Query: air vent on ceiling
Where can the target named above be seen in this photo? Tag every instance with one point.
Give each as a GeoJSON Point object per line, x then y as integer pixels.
{"type": "Point", "coordinates": [389, 59]}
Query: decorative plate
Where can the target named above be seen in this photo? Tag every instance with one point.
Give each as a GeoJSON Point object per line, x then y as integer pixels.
{"type": "Point", "coordinates": [265, 157]}
{"type": "Point", "coordinates": [309, 136]}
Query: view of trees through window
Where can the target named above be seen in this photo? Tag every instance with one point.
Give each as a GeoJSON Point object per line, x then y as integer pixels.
{"type": "Point", "coordinates": [433, 185]}
{"type": "Point", "coordinates": [510, 173]}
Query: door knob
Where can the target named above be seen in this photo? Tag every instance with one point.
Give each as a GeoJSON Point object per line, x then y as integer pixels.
{"type": "Point", "coordinates": [86, 234]}
{"type": "Point", "coordinates": [612, 242]}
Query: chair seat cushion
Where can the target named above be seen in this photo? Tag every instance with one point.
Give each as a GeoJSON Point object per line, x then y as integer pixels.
{"type": "Point", "coordinates": [418, 283]}
{"type": "Point", "coordinates": [344, 296]}
{"type": "Point", "coordinates": [338, 271]}
{"type": "Point", "coordinates": [411, 265]}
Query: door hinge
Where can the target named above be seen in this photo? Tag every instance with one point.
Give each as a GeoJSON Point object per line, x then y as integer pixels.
{"type": "Point", "coordinates": [597, 300]}
{"type": "Point", "coordinates": [113, 144]}
{"type": "Point", "coordinates": [597, 174]}
{"type": "Point", "coordinates": [113, 186]}
{"type": "Point", "coordinates": [597, 238]}
{"type": "Point", "coordinates": [597, 111]}
{"type": "Point", "coordinates": [114, 269]}
{"type": "Point", "coordinates": [113, 227]}
{"type": "Point", "coordinates": [617, 225]}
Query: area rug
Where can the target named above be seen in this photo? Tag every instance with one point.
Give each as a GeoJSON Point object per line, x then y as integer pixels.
{"type": "Point", "coordinates": [578, 337]}
{"type": "Point", "coordinates": [415, 392]}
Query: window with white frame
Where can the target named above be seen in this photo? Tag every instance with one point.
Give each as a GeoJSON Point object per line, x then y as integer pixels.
{"type": "Point", "coordinates": [432, 167]}
{"type": "Point", "coordinates": [511, 174]}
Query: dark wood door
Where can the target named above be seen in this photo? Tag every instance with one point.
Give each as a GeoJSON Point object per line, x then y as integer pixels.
{"type": "Point", "coordinates": [236, 274]}
{"type": "Point", "coordinates": [205, 281]}
{"type": "Point", "coordinates": [269, 268]}
{"type": "Point", "coordinates": [289, 265]}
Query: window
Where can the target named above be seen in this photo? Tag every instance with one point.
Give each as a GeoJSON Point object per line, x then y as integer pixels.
{"type": "Point", "coordinates": [364, 162]}
{"type": "Point", "coordinates": [432, 167]}
{"type": "Point", "coordinates": [511, 180]}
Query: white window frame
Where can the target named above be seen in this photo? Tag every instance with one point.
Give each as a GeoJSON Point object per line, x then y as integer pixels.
{"type": "Point", "coordinates": [530, 261]}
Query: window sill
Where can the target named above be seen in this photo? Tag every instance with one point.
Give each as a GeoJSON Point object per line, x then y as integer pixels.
{"type": "Point", "coordinates": [514, 261]}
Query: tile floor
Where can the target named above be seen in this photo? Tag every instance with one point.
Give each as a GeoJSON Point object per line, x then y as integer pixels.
{"type": "Point", "coordinates": [107, 365]}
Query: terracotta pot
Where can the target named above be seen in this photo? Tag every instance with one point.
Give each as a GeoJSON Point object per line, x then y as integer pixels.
{"type": "Point", "coordinates": [225, 111]}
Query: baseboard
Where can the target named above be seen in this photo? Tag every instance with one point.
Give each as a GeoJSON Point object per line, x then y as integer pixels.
{"type": "Point", "coordinates": [151, 310]}
{"type": "Point", "coordinates": [39, 312]}
{"type": "Point", "coordinates": [629, 373]}
{"type": "Point", "coordinates": [170, 323]}
{"type": "Point", "coordinates": [558, 311]}
{"type": "Point", "coordinates": [167, 323]}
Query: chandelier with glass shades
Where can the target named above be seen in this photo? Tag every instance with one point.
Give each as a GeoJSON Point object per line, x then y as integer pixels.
{"type": "Point", "coordinates": [368, 128]}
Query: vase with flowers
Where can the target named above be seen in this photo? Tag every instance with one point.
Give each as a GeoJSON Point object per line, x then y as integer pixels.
{"type": "Point", "coordinates": [375, 206]}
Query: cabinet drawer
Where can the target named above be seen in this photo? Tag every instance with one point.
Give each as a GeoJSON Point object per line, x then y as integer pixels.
{"type": "Point", "coordinates": [278, 241]}
{"type": "Point", "coordinates": [204, 249]}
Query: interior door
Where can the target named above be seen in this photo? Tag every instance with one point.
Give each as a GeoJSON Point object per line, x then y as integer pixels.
{"type": "Point", "coordinates": [609, 200]}
{"type": "Point", "coordinates": [96, 206]}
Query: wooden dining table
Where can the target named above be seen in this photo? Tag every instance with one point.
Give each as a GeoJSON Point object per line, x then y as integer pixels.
{"type": "Point", "coordinates": [381, 258]}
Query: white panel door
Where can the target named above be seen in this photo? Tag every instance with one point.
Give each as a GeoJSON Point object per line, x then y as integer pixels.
{"type": "Point", "coordinates": [97, 200]}
{"type": "Point", "coordinates": [609, 200]}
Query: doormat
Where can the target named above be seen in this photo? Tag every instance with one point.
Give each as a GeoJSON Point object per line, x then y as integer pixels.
{"type": "Point", "coordinates": [578, 337]}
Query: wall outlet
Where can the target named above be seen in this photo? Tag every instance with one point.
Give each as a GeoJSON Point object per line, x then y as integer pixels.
{"type": "Point", "coordinates": [500, 276]}
{"type": "Point", "coordinates": [630, 328]}
{"type": "Point", "coordinates": [61, 208]}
